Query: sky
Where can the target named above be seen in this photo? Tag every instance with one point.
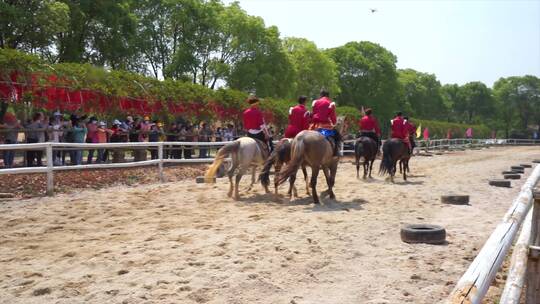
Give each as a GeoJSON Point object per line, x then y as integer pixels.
{"type": "Point", "coordinates": [458, 41]}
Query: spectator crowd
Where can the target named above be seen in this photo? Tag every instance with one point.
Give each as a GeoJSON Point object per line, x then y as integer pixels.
{"type": "Point", "coordinates": [65, 128]}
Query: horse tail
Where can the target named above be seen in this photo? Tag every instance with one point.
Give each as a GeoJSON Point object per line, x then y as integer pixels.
{"type": "Point", "coordinates": [297, 158]}
{"type": "Point", "coordinates": [386, 162]}
{"type": "Point", "coordinates": [358, 150]}
{"type": "Point", "coordinates": [264, 177]}
{"type": "Point", "coordinates": [220, 156]}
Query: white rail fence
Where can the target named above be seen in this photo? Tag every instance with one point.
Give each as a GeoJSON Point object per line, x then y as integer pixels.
{"type": "Point", "coordinates": [49, 148]}
{"type": "Point", "coordinates": [474, 284]}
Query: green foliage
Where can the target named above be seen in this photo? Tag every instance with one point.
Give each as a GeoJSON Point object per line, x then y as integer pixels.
{"type": "Point", "coordinates": [367, 76]}
{"type": "Point", "coordinates": [420, 95]}
{"type": "Point", "coordinates": [439, 129]}
{"type": "Point", "coordinates": [314, 69]}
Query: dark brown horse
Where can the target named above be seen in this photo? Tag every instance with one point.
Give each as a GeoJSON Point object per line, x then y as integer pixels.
{"type": "Point", "coordinates": [281, 155]}
{"type": "Point", "coordinates": [365, 147]}
{"type": "Point", "coordinates": [394, 150]}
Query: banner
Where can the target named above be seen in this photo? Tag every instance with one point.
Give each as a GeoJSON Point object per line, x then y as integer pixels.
{"type": "Point", "coordinates": [419, 131]}
{"type": "Point", "coordinates": [426, 134]}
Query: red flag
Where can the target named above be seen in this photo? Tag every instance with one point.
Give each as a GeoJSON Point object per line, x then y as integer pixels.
{"type": "Point", "coordinates": [426, 134]}
{"type": "Point", "coordinates": [468, 133]}
{"type": "Point", "coordinates": [449, 134]}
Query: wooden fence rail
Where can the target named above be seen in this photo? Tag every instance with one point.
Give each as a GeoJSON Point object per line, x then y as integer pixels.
{"type": "Point", "coordinates": [474, 284]}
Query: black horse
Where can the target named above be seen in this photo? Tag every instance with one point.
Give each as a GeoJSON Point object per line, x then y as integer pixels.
{"type": "Point", "coordinates": [394, 150]}
{"type": "Point", "coordinates": [365, 147]}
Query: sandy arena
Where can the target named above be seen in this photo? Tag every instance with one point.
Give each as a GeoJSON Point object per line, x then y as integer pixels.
{"type": "Point", "coordinates": [184, 242]}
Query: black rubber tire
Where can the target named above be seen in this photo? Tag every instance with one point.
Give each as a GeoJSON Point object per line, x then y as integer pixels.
{"type": "Point", "coordinates": [526, 165]}
{"type": "Point", "coordinates": [518, 171]}
{"type": "Point", "coordinates": [508, 172]}
{"type": "Point", "coordinates": [517, 168]}
{"type": "Point", "coordinates": [500, 183]}
{"type": "Point", "coordinates": [455, 199]}
{"type": "Point", "coordinates": [536, 161]}
{"type": "Point", "coordinates": [512, 176]}
{"type": "Point", "coordinates": [423, 233]}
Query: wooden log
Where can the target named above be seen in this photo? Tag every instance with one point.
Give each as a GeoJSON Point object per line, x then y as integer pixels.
{"type": "Point", "coordinates": [512, 176]}
{"type": "Point", "coordinates": [202, 180]}
{"type": "Point", "coordinates": [500, 183]}
{"type": "Point", "coordinates": [7, 195]}
{"type": "Point", "coordinates": [532, 293]}
{"type": "Point", "coordinates": [518, 265]}
{"type": "Point", "coordinates": [474, 284]}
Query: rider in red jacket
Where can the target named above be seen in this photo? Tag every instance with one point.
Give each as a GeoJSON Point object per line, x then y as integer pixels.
{"type": "Point", "coordinates": [399, 130]}
{"type": "Point", "coordinates": [324, 118]}
{"type": "Point", "coordinates": [254, 124]}
{"type": "Point", "coordinates": [298, 118]}
{"type": "Point", "coordinates": [369, 126]}
{"type": "Point", "coordinates": [411, 131]}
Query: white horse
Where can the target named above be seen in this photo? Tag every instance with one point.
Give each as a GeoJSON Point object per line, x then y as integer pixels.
{"type": "Point", "coordinates": [245, 153]}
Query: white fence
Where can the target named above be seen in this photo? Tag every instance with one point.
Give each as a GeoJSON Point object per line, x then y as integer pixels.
{"type": "Point", "coordinates": [49, 147]}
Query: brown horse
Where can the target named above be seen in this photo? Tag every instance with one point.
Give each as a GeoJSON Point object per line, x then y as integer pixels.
{"type": "Point", "coordinates": [281, 155]}
{"type": "Point", "coordinates": [365, 147]}
{"type": "Point", "coordinates": [394, 150]}
{"type": "Point", "coordinates": [313, 149]}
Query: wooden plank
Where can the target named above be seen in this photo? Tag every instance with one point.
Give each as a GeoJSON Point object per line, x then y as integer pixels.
{"type": "Point", "coordinates": [474, 284]}
{"type": "Point", "coordinates": [532, 293]}
{"type": "Point", "coordinates": [518, 264]}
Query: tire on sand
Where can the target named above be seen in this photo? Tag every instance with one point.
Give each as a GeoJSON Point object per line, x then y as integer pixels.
{"type": "Point", "coordinates": [455, 199]}
{"type": "Point", "coordinates": [499, 183]}
{"type": "Point", "coordinates": [423, 233]}
{"type": "Point", "coordinates": [526, 165]}
{"type": "Point", "coordinates": [512, 176]}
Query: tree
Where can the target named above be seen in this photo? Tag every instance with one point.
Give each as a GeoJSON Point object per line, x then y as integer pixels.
{"type": "Point", "coordinates": [450, 98]}
{"type": "Point", "coordinates": [267, 70]}
{"type": "Point", "coordinates": [518, 97]}
{"type": "Point", "coordinates": [314, 69]}
{"type": "Point", "coordinates": [367, 76]}
{"type": "Point", "coordinates": [100, 32]}
{"type": "Point", "coordinates": [32, 26]}
{"type": "Point", "coordinates": [475, 101]}
{"type": "Point", "coordinates": [420, 94]}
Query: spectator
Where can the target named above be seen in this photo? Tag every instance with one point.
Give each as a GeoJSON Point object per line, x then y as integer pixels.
{"type": "Point", "coordinates": [228, 134]}
{"type": "Point", "coordinates": [173, 135]}
{"type": "Point", "coordinates": [118, 134]}
{"type": "Point", "coordinates": [154, 136]}
{"type": "Point", "coordinates": [144, 129]}
{"type": "Point", "coordinates": [33, 157]}
{"type": "Point", "coordinates": [10, 137]}
{"type": "Point", "coordinates": [205, 134]}
{"type": "Point", "coordinates": [187, 134]}
{"type": "Point", "coordinates": [101, 138]}
{"type": "Point", "coordinates": [79, 132]}
{"type": "Point", "coordinates": [56, 135]}
{"type": "Point", "coordinates": [91, 137]}
{"type": "Point", "coordinates": [219, 134]}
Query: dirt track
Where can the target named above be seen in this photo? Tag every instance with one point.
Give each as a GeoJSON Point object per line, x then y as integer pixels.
{"type": "Point", "coordinates": [188, 243]}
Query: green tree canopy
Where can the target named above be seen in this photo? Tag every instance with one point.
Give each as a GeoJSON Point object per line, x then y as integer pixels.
{"type": "Point", "coordinates": [367, 76]}
{"type": "Point", "coordinates": [420, 95]}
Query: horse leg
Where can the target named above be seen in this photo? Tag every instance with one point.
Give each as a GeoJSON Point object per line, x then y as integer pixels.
{"type": "Point", "coordinates": [313, 184]}
{"type": "Point", "coordinates": [357, 166]}
{"type": "Point", "coordinates": [304, 171]}
{"type": "Point", "coordinates": [241, 172]}
{"type": "Point", "coordinates": [253, 171]}
{"type": "Point", "coordinates": [230, 173]}
{"type": "Point", "coordinates": [366, 167]}
{"type": "Point", "coordinates": [405, 165]}
{"type": "Point", "coordinates": [371, 167]}
{"type": "Point", "coordinates": [331, 180]}
{"type": "Point", "coordinates": [393, 172]}
{"type": "Point", "coordinates": [400, 165]}
{"type": "Point", "coordinates": [292, 190]}
{"type": "Point", "coordinates": [277, 169]}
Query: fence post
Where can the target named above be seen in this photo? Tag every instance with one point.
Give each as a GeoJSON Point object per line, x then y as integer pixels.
{"type": "Point", "coordinates": [533, 265]}
{"type": "Point", "coordinates": [160, 164]}
{"type": "Point", "coordinates": [50, 173]}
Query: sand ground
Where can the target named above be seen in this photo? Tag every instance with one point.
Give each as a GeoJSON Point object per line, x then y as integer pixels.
{"type": "Point", "coordinates": [184, 242]}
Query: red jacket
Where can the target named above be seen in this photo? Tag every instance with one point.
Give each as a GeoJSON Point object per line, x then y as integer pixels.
{"type": "Point", "coordinates": [298, 121]}
{"type": "Point", "coordinates": [324, 112]}
{"type": "Point", "coordinates": [410, 128]}
{"type": "Point", "coordinates": [369, 123]}
{"type": "Point", "coordinates": [253, 118]}
{"type": "Point", "coordinates": [398, 128]}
